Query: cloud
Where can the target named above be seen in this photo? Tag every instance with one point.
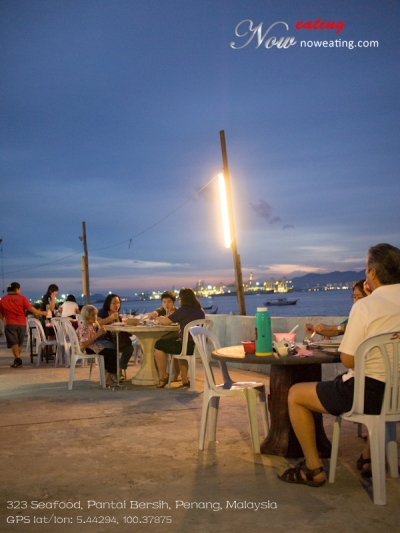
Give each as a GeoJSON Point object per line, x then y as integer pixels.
{"type": "Point", "coordinates": [264, 210]}
{"type": "Point", "coordinates": [105, 262]}
{"type": "Point", "coordinates": [288, 226]}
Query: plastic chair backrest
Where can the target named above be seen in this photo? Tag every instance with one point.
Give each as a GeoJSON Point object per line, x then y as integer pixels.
{"type": "Point", "coordinates": [59, 330]}
{"type": "Point", "coordinates": [35, 323]}
{"type": "Point", "coordinates": [73, 337]}
{"type": "Point", "coordinates": [205, 323]}
{"type": "Point", "coordinates": [388, 344]}
{"type": "Point", "coordinates": [201, 336]}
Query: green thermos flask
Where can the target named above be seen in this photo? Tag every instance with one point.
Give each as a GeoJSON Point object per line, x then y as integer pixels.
{"type": "Point", "coordinates": [263, 332]}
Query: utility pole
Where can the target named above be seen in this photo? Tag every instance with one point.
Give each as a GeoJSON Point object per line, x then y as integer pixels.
{"type": "Point", "coordinates": [236, 257]}
{"type": "Point", "coordinates": [85, 266]}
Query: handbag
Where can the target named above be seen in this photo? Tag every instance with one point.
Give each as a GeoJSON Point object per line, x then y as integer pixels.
{"type": "Point", "coordinates": [124, 340]}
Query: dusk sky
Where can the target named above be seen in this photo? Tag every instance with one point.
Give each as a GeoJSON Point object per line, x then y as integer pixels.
{"type": "Point", "coordinates": [111, 112]}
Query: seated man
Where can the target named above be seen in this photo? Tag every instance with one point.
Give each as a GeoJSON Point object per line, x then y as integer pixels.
{"type": "Point", "coordinates": [379, 313]}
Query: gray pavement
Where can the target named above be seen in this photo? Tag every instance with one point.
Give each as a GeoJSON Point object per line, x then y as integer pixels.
{"type": "Point", "coordinates": [109, 452]}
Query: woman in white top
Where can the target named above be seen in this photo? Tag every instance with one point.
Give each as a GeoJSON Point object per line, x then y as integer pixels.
{"type": "Point", "coordinates": [70, 308]}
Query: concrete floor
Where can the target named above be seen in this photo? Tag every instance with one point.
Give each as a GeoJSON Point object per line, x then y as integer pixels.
{"type": "Point", "coordinates": [99, 448]}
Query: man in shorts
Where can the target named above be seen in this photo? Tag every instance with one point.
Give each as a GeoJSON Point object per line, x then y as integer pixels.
{"type": "Point", "coordinates": [12, 310]}
{"type": "Point", "coordinates": [377, 314]}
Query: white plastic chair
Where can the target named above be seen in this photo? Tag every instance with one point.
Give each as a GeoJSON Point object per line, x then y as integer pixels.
{"type": "Point", "coordinates": [77, 354]}
{"type": "Point", "coordinates": [61, 337]}
{"type": "Point", "coordinates": [249, 390]}
{"type": "Point", "coordinates": [388, 344]}
{"type": "Point", "coordinates": [191, 359]}
{"type": "Point", "coordinates": [35, 337]}
{"type": "Point", "coordinates": [137, 350]}
{"type": "Point", "coordinates": [35, 323]}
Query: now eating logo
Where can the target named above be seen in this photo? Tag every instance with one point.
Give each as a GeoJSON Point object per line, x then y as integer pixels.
{"type": "Point", "coordinates": [246, 29]}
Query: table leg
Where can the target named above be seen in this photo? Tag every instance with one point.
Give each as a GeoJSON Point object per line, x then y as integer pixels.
{"type": "Point", "coordinates": [117, 357]}
{"type": "Point", "coordinates": [147, 374]}
{"type": "Point", "coordinates": [281, 439]}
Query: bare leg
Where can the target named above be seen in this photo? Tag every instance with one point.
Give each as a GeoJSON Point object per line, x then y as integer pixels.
{"type": "Point", "coordinates": [184, 370]}
{"type": "Point", "coordinates": [161, 360]}
{"type": "Point", "coordinates": [366, 454]}
{"type": "Point", "coordinates": [177, 368]}
{"type": "Point", "coordinates": [303, 400]}
{"type": "Point", "coordinates": [109, 380]}
{"type": "Point", "coordinates": [16, 351]}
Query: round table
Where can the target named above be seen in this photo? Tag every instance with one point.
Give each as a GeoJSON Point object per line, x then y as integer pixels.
{"type": "Point", "coordinates": [285, 372]}
{"type": "Point", "coordinates": [147, 337]}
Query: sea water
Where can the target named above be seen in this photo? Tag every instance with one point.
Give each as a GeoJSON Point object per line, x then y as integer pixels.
{"type": "Point", "coordinates": [318, 303]}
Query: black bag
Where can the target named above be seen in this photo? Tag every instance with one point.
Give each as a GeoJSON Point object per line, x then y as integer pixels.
{"type": "Point", "coordinates": [124, 340]}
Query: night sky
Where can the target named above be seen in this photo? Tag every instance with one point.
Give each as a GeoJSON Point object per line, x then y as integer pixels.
{"type": "Point", "coordinates": [111, 112]}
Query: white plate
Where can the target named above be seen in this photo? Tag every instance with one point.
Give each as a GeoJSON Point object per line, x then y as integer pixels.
{"type": "Point", "coordinates": [326, 344]}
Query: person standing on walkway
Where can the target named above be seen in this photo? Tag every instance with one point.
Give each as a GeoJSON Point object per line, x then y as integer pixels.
{"type": "Point", "coordinates": [12, 310]}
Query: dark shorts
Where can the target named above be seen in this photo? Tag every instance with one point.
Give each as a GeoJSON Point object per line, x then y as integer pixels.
{"type": "Point", "coordinates": [337, 396]}
{"type": "Point", "coordinates": [174, 346]}
{"type": "Point", "coordinates": [15, 334]}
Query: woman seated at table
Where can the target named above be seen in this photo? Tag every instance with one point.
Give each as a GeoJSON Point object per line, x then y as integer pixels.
{"type": "Point", "coordinates": [190, 309]}
{"type": "Point", "coordinates": [168, 300]}
{"type": "Point", "coordinates": [89, 332]}
{"type": "Point", "coordinates": [69, 309]}
{"type": "Point", "coordinates": [360, 290]}
{"type": "Point", "coordinates": [107, 315]}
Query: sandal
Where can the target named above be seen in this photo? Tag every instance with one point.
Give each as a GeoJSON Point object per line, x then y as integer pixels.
{"type": "Point", "coordinates": [360, 465]}
{"type": "Point", "coordinates": [361, 462]}
{"type": "Point", "coordinates": [162, 382]}
{"type": "Point", "coordinates": [293, 475]}
{"type": "Point", "coordinates": [187, 384]}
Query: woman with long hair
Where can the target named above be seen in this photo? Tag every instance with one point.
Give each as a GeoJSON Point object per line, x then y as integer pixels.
{"type": "Point", "coordinates": [48, 304]}
{"type": "Point", "coordinates": [108, 314]}
{"type": "Point", "coordinates": [190, 309]}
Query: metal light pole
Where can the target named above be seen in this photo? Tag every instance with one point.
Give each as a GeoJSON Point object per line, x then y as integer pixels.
{"type": "Point", "coordinates": [85, 266]}
{"type": "Point", "coordinates": [226, 185]}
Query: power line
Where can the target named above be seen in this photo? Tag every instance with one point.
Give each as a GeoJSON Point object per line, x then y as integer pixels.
{"type": "Point", "coordinates": [159, 222]}
{"type": "Point", "coordinates": [122, 242]}
{"type": "Point", "coordinates": [44, 264]}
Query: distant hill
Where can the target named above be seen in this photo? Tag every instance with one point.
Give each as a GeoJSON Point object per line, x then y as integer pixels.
{"type": "Point", "coordinates": [97, 297]}
{"type": "Point", "coordinates": [310, 281]}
